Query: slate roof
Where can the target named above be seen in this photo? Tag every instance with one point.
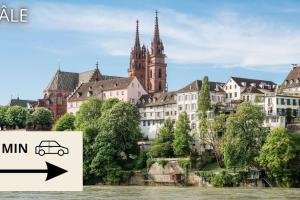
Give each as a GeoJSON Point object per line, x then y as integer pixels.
{"type": "Point", "coordinates": [68, 81]}
{"type": "Point", "coordinates": [95, 88]}
{"type": "Point", "coordinates": [157, 99]}
{"type": "Point", "coordinates": [249, 81]}
{"type": "Point", "coordinates": [292, 79]}
{"type": "Point", "coordinates": [196, 86]}
{"type": "Point", "coordinates": [252, 90]}
{"type": "Point", "coordinates": [21, 102]}
{"type": "Point", "coordinates": [63, 81]}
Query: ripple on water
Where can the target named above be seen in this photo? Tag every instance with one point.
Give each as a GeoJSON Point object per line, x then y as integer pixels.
{"type": "Point", "coordinates": [158, 193]}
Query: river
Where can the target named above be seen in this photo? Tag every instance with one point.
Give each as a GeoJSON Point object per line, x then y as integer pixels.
{"type": "Point", "coordinates": [158, 193]}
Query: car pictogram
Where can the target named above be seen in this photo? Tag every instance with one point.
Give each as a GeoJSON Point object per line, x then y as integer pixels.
{"type": "Point", "coordinates": [50, 147]}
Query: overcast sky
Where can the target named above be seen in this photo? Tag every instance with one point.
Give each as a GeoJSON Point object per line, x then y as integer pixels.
{"type": "Point", "coordinates": [253, 39]}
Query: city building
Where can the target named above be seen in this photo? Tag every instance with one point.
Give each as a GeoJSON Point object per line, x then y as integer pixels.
{"type": "Point", "coordinates": [187, 98]}
{"type": "Point", "coordinates": [291, 83]}
{"type": "Point", "coordinates": [62, 85]}
{"type": "Point", "coordinates": [244, 89]}
{"type": "Point", "coordinates": [277, 104]}
{"type": "Point", "coordinates": [125, 89]}
{"type": "Point", "coordinates": [149, 66]}
{"type": "Point", "coordinates": [154, 110]}
{"type": "Point", "coordinates": [22, 102]}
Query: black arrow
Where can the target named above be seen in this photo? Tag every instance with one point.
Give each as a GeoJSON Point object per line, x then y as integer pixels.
{"type": "Point", "coordinates": [52, 171]}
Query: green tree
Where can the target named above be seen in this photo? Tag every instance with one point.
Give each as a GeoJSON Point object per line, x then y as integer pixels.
{"type": "Point", "coordinates": [65, 123]}
{"type": "Point", "coordinates": [276, 154]}
{"type": "Point", "coordinates": [109, 103]}
{"type": "Point", "coordinates": [41, 119]}
{"type": "Point", "coordinates": [244, 136]}
{"type": "Point", "coordinates": [204, 97]}
{"type": "Point", "coordinates": [182, 138]}
{"type": "Point", "coordinates": [89, 152]}
{"type": "Point", "coordinates": [89, 112]}
{"type": "Point", "coordinates": [3, 123]}
{"type": "Point", "coordinates": [121, 125]}
{"type": "Point", "coordinates": [162, 145]}
{"type": "Point", "coordinates": [16, 117]}
{"type": "Point", "coordinates": [215, 135]}
{"type": "Point", "coordinates": [203, 107]}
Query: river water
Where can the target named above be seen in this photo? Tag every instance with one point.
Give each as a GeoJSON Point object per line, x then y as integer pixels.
{"type": "Point", "coordinates": [158, 193]}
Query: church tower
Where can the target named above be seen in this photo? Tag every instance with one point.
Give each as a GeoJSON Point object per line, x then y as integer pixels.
{"type": "Point", "coordinates": [137, 64]}
{"type": "Point", "coordinates": [156, 68]}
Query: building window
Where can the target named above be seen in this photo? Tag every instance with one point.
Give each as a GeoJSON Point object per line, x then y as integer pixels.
{"type": "Point", "coordinates": [159, 86]}
{"type": "Point", "coordinates": [193, 126]}
{"type": "Point", "coordinates": [145, 114]}
{"type": "Point", "coordinates": [148, 123]}
{"type": "Point", "coordinates": [282, 101]}
{"type": "Point", "coordinates": [235, 86]}
{"type": "Point", "coordinates": [159, 73]}
{"type": "Point", "coordinates": [235, 94]}
{"type": "Point", "coordinates": [144, 123]}
{"type": "Point", "coordinates": [294, 102]}
{"type": "Point", "coordinates": [288, 102]}
{"type": "Point", "coordinates": [230, 95]}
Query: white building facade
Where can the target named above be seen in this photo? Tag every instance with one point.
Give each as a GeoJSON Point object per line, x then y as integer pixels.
{"type": "Point", "coordinates": [154, 110]}
{"type": "Point", "coordinates": [124, 89]}
{"type": "Point", "coordinates": [187, 99]}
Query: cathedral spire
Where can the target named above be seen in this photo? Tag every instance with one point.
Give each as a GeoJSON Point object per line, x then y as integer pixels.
{"type": "Point", "coordinates": [137, 36]}
{"type": "Point", "coordinates": [156, 29]}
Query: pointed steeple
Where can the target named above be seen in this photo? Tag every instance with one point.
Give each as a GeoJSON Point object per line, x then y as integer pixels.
{"type": "Point", "coordinates": [137, 36]}
{"type": "Point", "coordinates": [156, 29]}
{"type": "Point", "coordinates": [157, 47]}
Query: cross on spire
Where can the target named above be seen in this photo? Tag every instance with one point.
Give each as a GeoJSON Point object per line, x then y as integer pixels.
{"type": "Point", "coordinates": [97, 65]}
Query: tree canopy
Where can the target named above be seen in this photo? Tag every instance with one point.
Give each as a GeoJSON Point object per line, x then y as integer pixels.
{"type": "Point", "coordinates": [16, 116]}
{"type": "Point", "coordinates": [162, 145]}
{"type": "Point", "coordinates": [276, 155]}
{"type": "Point", "coordinates": [65, 123]}
{"type": "Point", "coordinates": [244, 136]}
{"type": "Point", "coordinates": [89, 112]}
{"type": "Point", "coordinates": [182, 138]}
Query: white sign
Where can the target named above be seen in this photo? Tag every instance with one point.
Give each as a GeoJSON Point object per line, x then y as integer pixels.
{"type": "Point", "coordinates": [40, 161]}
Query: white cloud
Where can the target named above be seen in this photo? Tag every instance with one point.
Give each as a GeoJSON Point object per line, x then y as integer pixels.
{"type": "Point", "coordinates": [227, 39]}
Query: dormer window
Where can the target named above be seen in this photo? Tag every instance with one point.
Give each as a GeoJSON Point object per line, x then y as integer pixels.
{"type": "Point", "coordinates": [291, 81]}
{"type": "Point", "coordinates": [79, 94]}
{"type": "Point", "coordinates": [101, 86]}
{"type": "Point", "coordinates": [244, 84]}
{"type": "Point", "coordinates": [90, 93]}
{"type": "Point", "coordinates": [286, 82]}
{"type": "Point", "coordinates": [116, 84]}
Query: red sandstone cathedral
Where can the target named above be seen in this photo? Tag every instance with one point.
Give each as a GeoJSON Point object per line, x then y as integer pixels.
{"type": "Point", "coordinates": [148, 66]}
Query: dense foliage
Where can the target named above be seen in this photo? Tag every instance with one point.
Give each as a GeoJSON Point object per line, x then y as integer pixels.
{"type": "Point", "coordinates": [277, 156]}
{"type": "Point", "coordinates": [182, 138]}
{"type": "Point", "coordinates": [162, 145]}
{"type": "Point", "coordinates": [39, 119]}
{"type": "Point", "coordinates": [15, 117]}
{"type": "Point", "coordinates": [65, 123]}
{"type": "Point", "coordinates": [244, 136]}
{"type": "Point", "coordinates": [89, 112]}
{"type": "Point", "coordinates": [110, 141]}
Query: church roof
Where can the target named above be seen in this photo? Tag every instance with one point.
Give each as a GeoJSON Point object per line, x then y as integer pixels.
{"type": "Point", "coordinates": [63, 81]}
{"type": "Point", "coordinates": [157, 99]}
{"type": "Point", "coordinates": [68, 81]}
{"type": "Point", "coordinates": [95, 88]}
{"type": "Point", "coordinates": [196, 86]}
{"type": "Point", "coordinates": [21, 102]}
